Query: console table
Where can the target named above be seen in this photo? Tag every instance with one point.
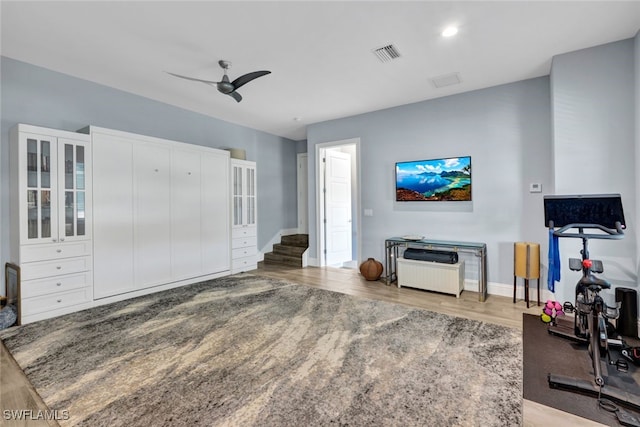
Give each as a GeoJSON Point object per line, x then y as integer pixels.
{"type": "Point", "coordinates": [393, 244]}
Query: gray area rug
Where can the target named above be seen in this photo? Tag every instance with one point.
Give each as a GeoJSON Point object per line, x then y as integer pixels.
{"type": "Point", "coordinates": [247, 350]}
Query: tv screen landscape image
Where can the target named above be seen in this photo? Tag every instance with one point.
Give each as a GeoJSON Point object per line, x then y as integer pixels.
{"type": "Point", "coordinates": [447, 179]}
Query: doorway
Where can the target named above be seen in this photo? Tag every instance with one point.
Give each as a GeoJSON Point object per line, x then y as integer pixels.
{"type": "Point", "coordinates": [303, 193]}
{"type": "Point", "coordinates": [338, 203]}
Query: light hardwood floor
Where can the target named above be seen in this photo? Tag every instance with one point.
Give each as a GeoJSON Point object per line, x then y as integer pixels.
{"type": "Point", "coordinates": [17, 393]}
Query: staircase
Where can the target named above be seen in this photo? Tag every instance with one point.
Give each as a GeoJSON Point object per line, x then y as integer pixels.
{"type": "Point", "coordinates": [289, 251]}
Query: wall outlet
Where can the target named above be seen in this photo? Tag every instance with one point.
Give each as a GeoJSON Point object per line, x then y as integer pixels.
{"type": "Point", "coordinates": [368, 212]}
{"type": "Point", "coordinates": [535, 187]}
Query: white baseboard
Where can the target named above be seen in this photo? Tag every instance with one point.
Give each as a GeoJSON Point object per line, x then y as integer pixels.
{"type": "Point", "coordinates": [506, 290]}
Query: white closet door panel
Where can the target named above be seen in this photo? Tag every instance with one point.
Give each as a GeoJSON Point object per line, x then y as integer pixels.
{"type": "Point", "coordinates": [152, 213]}
{"type": "Point", "coordinates": [215, 213]}
{"type": "Point", "coordinates": [186, 254]}
{"type": "Point", "coordinates": [112, 215]}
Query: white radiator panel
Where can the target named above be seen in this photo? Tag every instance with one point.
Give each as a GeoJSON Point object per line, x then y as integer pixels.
{"type": "Point", "coordinates": [431, 276]}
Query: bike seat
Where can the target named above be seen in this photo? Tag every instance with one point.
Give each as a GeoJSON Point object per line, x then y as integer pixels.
{"type": "Point", "coordinates": [592, 280]}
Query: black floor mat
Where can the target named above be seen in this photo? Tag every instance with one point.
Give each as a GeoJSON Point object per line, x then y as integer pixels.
{"type": "Point", "coordinates": [544, 353]}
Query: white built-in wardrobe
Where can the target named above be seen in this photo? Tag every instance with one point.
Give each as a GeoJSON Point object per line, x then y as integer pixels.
{"type": "Point", "coordinates": [160, 212]}
{"type": "Point", "coordinates": [112, 215]}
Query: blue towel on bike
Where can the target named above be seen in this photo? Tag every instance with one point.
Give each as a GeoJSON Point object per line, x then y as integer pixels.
{"type": "Point", "coordinates": [554, 262]}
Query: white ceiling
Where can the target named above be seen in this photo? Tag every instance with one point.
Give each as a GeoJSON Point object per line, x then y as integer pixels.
{"type": "Point", "coordinates": [319, 53]}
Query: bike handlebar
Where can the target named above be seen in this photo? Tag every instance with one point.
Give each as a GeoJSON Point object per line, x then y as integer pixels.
{"type": "Point", "coordinates": [610, 233]}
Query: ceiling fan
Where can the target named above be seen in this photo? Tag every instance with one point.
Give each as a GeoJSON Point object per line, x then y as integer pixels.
{"type": "Point", "coordinates": [225, 86]}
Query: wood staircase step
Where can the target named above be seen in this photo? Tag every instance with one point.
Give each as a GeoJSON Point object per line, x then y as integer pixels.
{"type": "Point", "coordinates": [281, 249]}
{"type": "Point", "coordinates": [271, 258]}
{"type": "Point", "coordinates": [289, 251]}
{"type": "Point", "coordinates": [300, 240]}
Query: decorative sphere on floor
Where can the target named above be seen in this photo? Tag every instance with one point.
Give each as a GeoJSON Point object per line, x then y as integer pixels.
{"type": "Point", "coordinates": [371, 269]}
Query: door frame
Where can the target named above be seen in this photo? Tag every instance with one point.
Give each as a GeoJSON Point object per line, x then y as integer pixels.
{"type": "Point", "coordinates": [320, 214]}
{"type": "Point", "coordinates": [302, 168]}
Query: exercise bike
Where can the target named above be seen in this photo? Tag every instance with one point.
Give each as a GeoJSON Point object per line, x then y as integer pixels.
{"type": "Point", "coordinates": [592, 314]}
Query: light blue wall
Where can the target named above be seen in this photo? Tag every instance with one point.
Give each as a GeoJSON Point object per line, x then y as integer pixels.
{"type": "Point", "coordinates": [574, 133]}
{"type": "Point", "coordinates": [507, 132]}
{"type": "Point", "coordinates": [593, 105]}
{"type": "Point", "coordinates": [637, 146]}
{"type": "Point", "coordinates": [38, 96]}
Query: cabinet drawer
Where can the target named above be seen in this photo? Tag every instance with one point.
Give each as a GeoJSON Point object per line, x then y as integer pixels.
{"type": "Point", "coordinates": [30, 306]}
{"type": "Point", "coordinates": [244, 242]}
{"type": "Point", "coordinates": [37, 270]}
{"type": "Point", "coordinates": [237, 233]}
{"type": "Point", "coordinates": [244, 264]}
{"type": "Point", "coordinates": [50, 285]}
{"type": "Point", "coordinates": [250, 251]}
{"type": "Point", "coordinates": [31, 253]}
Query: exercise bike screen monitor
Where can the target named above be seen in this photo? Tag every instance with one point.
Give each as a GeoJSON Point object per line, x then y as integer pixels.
{"type": "Point", "coordinates": [603, 209]}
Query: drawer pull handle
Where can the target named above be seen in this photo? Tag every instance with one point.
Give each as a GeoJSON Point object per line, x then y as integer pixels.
{"type": "Point", "coordinates": [62, 239]}
{"type": "Point", "coordinates": [58, 284]}
{"type": "Point", "coordinates": [58, 268]}
{"type": "Point", "coordinates": [59, 250]}
{"type": "Point", "coordinates": [59, 300]}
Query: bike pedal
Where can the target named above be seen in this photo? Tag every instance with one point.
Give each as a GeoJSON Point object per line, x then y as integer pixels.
{"type": "Point", "coordinates": [622, 365]}
{"type": "Point", "coordinates": [567, 307]}
{"type": "Point", "coordinates": [626, 418]}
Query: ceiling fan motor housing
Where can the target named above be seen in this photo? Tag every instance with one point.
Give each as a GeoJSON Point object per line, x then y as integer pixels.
{"type": "Point", "coordinates": [225, 86]}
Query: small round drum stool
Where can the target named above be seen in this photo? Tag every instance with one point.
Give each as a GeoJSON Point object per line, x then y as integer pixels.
{"type": "Point", "coordinates": [526, 265]}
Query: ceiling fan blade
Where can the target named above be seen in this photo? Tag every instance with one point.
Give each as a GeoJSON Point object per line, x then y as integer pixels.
{"type": "Point", "coordinates": [235, 95]}
{"type": "Point", "coordinates": [243, 80]}
{"type": "Point", "coordinates": [193, 78]}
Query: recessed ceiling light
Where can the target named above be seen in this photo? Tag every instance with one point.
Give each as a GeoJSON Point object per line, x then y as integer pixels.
{"type": "Point", "coordinates": [450, 31]}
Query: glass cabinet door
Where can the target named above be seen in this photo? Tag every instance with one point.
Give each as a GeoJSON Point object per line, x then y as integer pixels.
{"type": "Point", "coordinates": [243, 182]}
{"type": "Point", "coordinates": [40, 213]}
{"type": "Point", "coordinates": [250, 192]}
{"type": "Point", "coordinates": [55, 186]}
{"type": "Point", "coordinates": [237, 183]}
{"type": "Point", "coordinates": [73, 190]}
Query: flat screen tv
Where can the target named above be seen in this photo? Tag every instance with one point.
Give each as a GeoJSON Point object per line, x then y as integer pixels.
{"type": "Point", "coordinates": [447, 179]}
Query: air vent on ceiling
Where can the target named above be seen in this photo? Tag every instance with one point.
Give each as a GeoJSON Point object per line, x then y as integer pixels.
{"type": "Point", "coordinates": [446, 80]}
{"type": "Point", "coordinates": [386, 53]}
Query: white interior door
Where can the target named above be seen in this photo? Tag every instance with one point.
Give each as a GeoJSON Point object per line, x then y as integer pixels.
{"type": "Point", "coordinates": [337, 207]}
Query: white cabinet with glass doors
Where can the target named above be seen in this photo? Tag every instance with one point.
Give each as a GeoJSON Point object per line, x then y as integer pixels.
{"type": "Point", "coordinates": [50, 219]}
{"type": "Point", "coordinates": [244, 242]}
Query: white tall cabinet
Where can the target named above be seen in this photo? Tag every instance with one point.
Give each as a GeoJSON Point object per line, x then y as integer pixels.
{"type": "Point", "coordinates": [51, 220]}
{"type": "Point", "coordinates": [161, 213]}
{"type": "Point", "coordinates": [244, 230]}
{"type": "Point", "coordinates": [104, 215]}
